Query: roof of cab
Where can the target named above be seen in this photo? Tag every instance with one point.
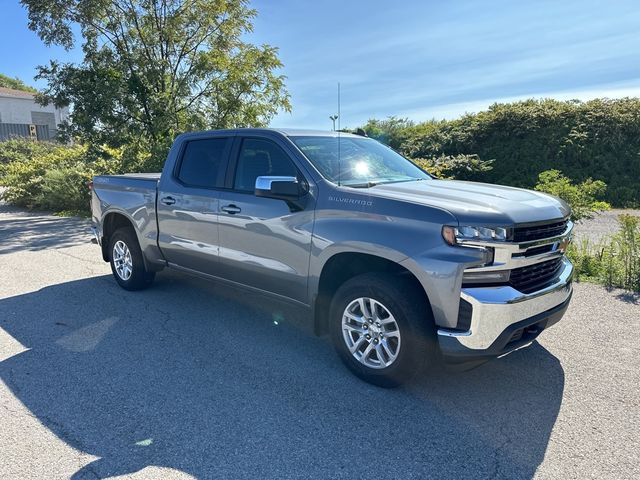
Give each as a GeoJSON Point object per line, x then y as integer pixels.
{"type": "Point", "coordinates": [297, 132]}
{"type": "Point", "coordinates": [289, 132]}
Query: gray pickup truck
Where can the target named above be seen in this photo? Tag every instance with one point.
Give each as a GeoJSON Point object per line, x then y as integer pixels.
{"type": "Point", "coordinates": [402, 270]}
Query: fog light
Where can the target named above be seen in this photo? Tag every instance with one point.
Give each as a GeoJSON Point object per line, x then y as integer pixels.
{"type": "Point", "coordinates": [494, 276]}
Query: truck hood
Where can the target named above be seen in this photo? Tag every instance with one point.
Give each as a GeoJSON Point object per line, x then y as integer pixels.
{"type": "Point", "coordinates": [477, 203]}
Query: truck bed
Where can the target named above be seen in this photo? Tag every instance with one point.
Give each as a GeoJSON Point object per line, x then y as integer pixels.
{"type": "Point", "coordinates": [131, 182]}
{"type": "Point", "coordinates": [129, 179]}
{"type": "Point", "coordinates": [141, 176]}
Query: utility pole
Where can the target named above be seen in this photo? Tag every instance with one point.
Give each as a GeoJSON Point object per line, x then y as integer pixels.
{"type": "Point", "coordinates": [333, 118]}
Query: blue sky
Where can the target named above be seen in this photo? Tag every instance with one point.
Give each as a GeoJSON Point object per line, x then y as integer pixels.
{"type": "Point", "coordinates": [418, 59]}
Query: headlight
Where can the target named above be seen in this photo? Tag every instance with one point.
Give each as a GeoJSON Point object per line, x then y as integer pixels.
{"type": "Point", "coordinates": [452, 235]}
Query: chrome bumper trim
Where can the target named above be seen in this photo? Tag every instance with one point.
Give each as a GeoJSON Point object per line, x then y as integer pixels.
{"type": "Point", "coordinates": [496, 308]}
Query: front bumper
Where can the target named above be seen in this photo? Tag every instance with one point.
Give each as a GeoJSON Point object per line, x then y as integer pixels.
{"type": "Point", "coordinates": [504, 319]}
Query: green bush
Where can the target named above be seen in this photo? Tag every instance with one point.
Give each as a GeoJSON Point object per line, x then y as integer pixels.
{"type": "Point", "coordinates": [587, 259]}
{"type": "Point", "coordinates": [599, 139]}
{"type": "Point", "coordinates": [393, 131]}
{"type": "Point", "coordinates": [65, 189]}
{"type": "Point", "coordinates": [614, 262]}
{"type": "Point", "coordinates": [459, 167]}
{"type": "Point", "coordinates": [50, 176]}
{"type": "Point", "coordinates": [23, 150]}
{"type": "Point", "coordinates": [23, 174]}
{"type": "Point", "coordinates": [627, 247]}
{"type": "Point", "coordinates": [582, 198]}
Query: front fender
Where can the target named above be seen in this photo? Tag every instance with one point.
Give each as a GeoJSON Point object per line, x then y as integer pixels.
{"type": "Point", "coordinates": [415, 244]}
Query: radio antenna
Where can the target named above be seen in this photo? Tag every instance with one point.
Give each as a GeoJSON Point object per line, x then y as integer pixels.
{"type": "Point", "coordinates": [339, 161]}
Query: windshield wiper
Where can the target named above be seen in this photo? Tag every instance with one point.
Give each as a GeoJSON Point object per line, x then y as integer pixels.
{"type": "Point", "coordinates": [373, 183]}
{"type": "Point", "coordinates": [361, 185]}
{"type": "Point", "coordinates": [405, 180]}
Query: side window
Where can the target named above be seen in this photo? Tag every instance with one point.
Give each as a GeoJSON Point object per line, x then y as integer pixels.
{"type": "Point", "coordinates": [259, 158]}
{"type": "Point", "coordinates": [201, 162]}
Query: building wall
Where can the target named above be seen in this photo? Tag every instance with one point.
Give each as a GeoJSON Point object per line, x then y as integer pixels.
{"type": "Point", "coordinates": [13, 130]}
{"type": "Point", "coordinates": [19, 110]}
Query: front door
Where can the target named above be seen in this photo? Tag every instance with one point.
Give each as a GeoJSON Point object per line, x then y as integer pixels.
{"type": "Point", "coordinates": [263, 243]}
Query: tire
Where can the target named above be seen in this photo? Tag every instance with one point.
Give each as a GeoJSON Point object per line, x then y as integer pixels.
{"type": "Point", "coordinates": [410, 316]}
{"type": "Point", "coordinates": [124, 251]}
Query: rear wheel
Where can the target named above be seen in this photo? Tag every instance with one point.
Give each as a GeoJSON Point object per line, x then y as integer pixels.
{"type": "Point", "coordinates": [127, 263]}
{"type": "Point", "coordinates": [382, 329]}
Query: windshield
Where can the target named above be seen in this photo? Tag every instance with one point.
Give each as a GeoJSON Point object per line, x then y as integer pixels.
{"type": "Point", "coordinates": [362, 162]}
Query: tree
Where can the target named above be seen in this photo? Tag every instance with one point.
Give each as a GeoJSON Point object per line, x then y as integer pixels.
{"type": "Point", "coordinates": [16, 84]}
{"type": "Point", "coordinates": [392, 131]}
{"type": "Point", "coordinates": [155, 68]}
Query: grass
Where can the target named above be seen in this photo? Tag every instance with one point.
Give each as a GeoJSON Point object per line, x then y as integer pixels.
{"type": "Point", "coordinates": [613, 262]}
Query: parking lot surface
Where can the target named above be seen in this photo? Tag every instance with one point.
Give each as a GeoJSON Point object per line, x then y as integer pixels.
{"type": "Point", "coordinates": [194, 379]}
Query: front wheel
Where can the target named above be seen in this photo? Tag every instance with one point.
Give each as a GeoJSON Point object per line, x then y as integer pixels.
{"type": "Point", "coordinates": [382, 329]}
{"type": "Point", "coordinates": [127, 263]}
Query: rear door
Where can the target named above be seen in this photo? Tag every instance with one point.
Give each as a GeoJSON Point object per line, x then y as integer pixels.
{"type": "Point", "coordinates": [264, 243]}
{"type": "Point", "coordinates": [188, 204]}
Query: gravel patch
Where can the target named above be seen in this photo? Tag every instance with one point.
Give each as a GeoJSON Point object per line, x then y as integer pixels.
{"type": "Point", "coordinates": [598, 228]}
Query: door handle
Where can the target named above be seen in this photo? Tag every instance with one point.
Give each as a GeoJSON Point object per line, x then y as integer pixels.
{"type": "Point", "coordinates": [231, 209]}
{"type": "Point", "coordinates": [168, 200]}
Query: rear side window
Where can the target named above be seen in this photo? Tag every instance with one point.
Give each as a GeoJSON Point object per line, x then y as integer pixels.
{"type": "Point", "coordinates": [201, 162]}
{"type": "Point", "coordinates": [259, 158]}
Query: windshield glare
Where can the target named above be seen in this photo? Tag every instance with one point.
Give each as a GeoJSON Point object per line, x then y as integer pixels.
{"type": "Point", "coordinates": [361, 161]}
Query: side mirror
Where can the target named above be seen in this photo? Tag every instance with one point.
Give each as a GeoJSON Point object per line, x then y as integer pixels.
{"type": "Point", "coordinates": [283, 188]}
{"type": "Point", "coordinates": [288, 189]}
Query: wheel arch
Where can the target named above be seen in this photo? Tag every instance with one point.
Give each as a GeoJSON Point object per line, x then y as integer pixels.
{"type": "Point", "coordinates": [111, 222]}
{"type": "Point", "coordinates": [345, 265]}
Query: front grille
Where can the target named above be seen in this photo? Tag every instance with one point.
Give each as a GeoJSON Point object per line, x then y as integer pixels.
{"type": "Point", "coordinates": [537, 232]}
{"type": "Point", "coordinates": [535, 251]}
{"type": "Point", "coordinates": [534, 277]}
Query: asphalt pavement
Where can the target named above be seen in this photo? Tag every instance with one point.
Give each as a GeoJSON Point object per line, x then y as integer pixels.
{"type": "Point", "coordinates": [194, 379]}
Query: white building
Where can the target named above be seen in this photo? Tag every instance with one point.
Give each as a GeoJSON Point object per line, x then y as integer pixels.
{"type": "Point", "coordinates": [21, 116]}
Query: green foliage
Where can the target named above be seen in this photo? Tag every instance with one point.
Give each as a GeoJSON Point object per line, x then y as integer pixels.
{"type": "Point", "coordinates": [152, 70]}
{"type": "Point", "coordinates": [586, 259]}
{"type": "Point", "coordinates": [23, 150]}
{"type": "Point", "coordinates": [614, 262]}
{"type": "Point", "coordinates": [398, 132]}
{"type": "Point", "coordinates": [458, 167]}
{"type": "Point", "coordinates": [16, 84]}
{"type": "Point", "coordinates": [598, 139]}
{"type": "Point", "coordinates": [64, 188]}
{"type": "Point", "coordinates": [393, 131]}
{"type": "Point", "coordinates": [582, 198]}
{"type": "Point", "coordinates": [627, 247]}
{"type": "Point", "coordinates": [51, 176]}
